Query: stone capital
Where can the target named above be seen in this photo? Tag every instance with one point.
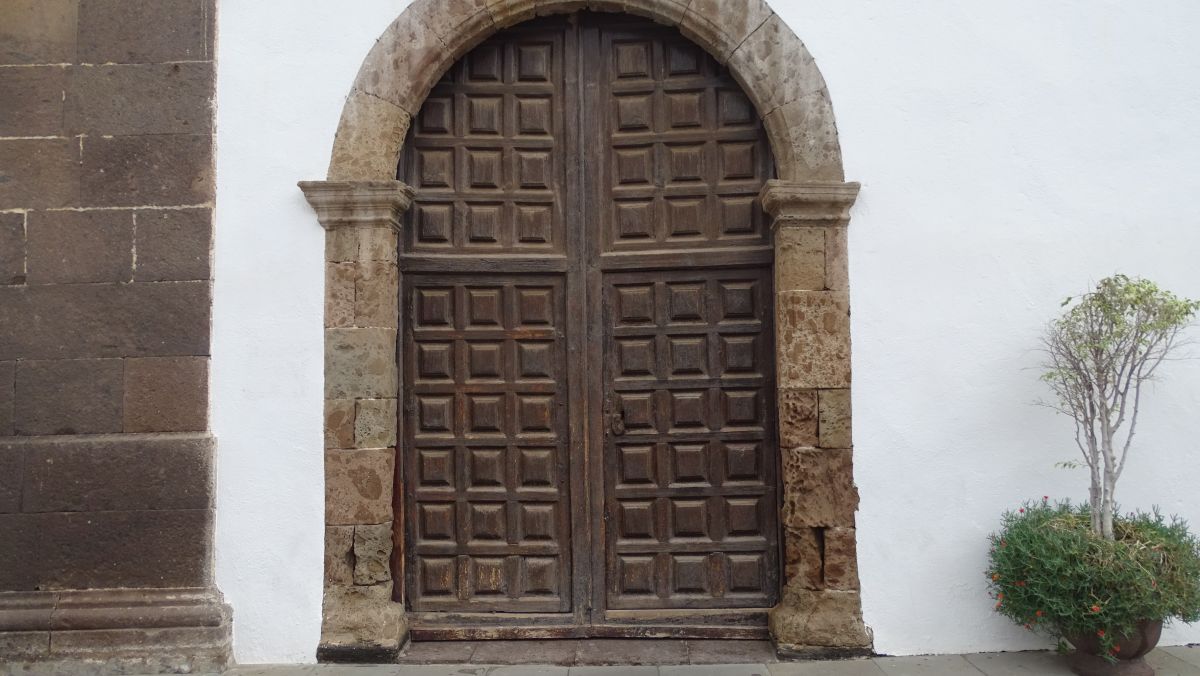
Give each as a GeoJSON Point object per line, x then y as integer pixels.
{"type": "Point", "coordinates": [346, 204]}
{"type": "Point", "coordinates": [809, 203]}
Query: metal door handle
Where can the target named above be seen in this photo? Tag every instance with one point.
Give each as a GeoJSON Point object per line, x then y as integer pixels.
{"type": "Point", "coordinates": [616, 423]}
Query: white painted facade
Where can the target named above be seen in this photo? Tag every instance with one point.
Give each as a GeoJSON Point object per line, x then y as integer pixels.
{"type": "Point", "coordinates": [1011, 153]}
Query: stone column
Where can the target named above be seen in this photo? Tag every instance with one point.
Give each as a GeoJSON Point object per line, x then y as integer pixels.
{"type": "Point", "coordinates": [820, 609]}
{"type": "Point", "coordinates": [360, 619]}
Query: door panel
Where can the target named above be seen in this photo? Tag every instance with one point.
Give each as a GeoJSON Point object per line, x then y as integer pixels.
{"type": "Point", "coordinates": [588, 433]}
{"type": "Point", "coordinates": [486, 461]}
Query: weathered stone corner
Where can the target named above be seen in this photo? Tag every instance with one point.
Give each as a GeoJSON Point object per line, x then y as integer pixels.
{"type": "Point", "coordinates": [361, 624]}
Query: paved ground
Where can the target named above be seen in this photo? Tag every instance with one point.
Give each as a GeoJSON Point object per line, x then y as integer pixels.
{"type": "Point", "coordinates": [1167, 662]}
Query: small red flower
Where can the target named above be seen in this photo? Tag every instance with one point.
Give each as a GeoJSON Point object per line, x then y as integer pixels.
{"type": "Point", "coordinates": [1021, 510]}
{"type": "Point", "coordinates": [1116, 649]}
{"type": "Point", "coordinates": [998, 604]}
{"type": "Point", "coordinates": [1040, 613]}
{"type": "Point", "coordinates": [995, 576]}
{"type": "Point", "coordinates": [1045, 498]}
{"type": "Point", "coordinates": [1095, 609]}
{"type": "Point", "coordinates": [1100, 633]}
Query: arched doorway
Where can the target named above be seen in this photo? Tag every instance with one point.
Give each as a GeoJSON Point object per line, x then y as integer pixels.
{"type": "Point", "coordinates": [364, 210]}
{"type": "Point", "coordinates": [588, 440]}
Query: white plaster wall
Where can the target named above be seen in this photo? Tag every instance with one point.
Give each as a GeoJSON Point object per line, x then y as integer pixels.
{"type": "Point", "coordinates": [1010, 154]}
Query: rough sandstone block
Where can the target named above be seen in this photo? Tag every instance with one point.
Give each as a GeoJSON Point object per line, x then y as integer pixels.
{"type": "Point", "coordinates": [774, 66]}
{"type": "Point", "coordinates": [361, 244]}
{"type": "Point", "coordinates": [837, 264]}
{"type": "Point", "coordinates": [119, 31]}
{"type": "Point", "coordinates": [799, 259]}
{"type": "Point", "coordinates": [814, 339]}
{"type": "Point", "coordinates": [339, 555]}
{"type": "Point", "coordinates": [39, 173]}
{"type": "Point", "coordinates": [804, 137]}
{"type": "Point", "coordinates": [802, 553]}
{"type": "Point", "coordinates": [75, 247]}
{"type": "Point", "coordinates": [376, 294]}
{"type": "Point", "coordinates": [33, 100]}
{"type": "Point", "coordinates": [818, 488]}
{"type": "Point", "coordinates": [797, 418]}
{"type": "Point", "coordinates": [841, 559]}
{"type": "Point", "coordinates": [91, 474]}
{"type": "Point", "coordinates": [364, 618]}
{"type": "Point", "coordinates": [826, 618]}
{"type": "Point", "coordinates": [834, 415]}
{"type": "Point", "coordinates": [182, 94]}
{"type": "Point", "coordinates": [12, 249]}
{"type": "Point", "coordinates": [375, 423]}
{"type": "Point", "coordinates": [370, 135]}
{"type": "Point", "coordinates": [339, 423]}
{"type": "Point", "coordinates": [372, 553]}
{"type": "Point", "coordinates": [721, 25]}
{"type": "Point", "coordinates": [360, 363]}
{"type": "Point", "coordinates": [76, 396]}
{"type": "Point", "coordinates": [153, 170]}
{"type": "Point", "coordinates": [104, 320]}
{"type": "Point", "coordinates": [358, 487]}
{"type": "Point", "coordinates": [339, 294]}
{"type": "Point", "coordinates": [166, 394]}
{"type": "Point", "coordinates": [37, 31]}
{"type": "Point", "coordinates": [412, 61]}
{"type": "Point", "coordinates": [174, 245]}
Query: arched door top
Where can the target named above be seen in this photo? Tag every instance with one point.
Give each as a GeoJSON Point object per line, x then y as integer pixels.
{"type": "Point", "coordinates": [770, 63]}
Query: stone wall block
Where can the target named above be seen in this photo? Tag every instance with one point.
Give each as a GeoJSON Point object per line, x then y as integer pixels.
{"type": "Point", "coordinates": [818, 488]}
{"type": "Point", "coordinates": [811, 618]}
{"type": "Point", "coordinates": [339, 423]}
{"type": "Point", "coordinates": [166, 394]}
{"type": "Point", "coordinates": [360, 363]}
{"type": "Point", "coordinates": [814, 339]}
{"type": "Point", "coordinates": [797, 418]}
{"type": "Point", "coordinates": [369, 137]}
{"type": "Point", "coordinates": [377, 244]}
{"type": "Point", "coordinates": [149, 170]}
{"type": "Point", "coordinates": [12, 249]}
{"type": "Point", "coordinates": [452, 20]}
{"type": "Point", "coordinates": [376, 294]}
{"type": "Point", "coordinates": [182, 94]}
{"type": "Point", "coordinates": [33, 100]}
{"type": "Point", "coordinates": [804, 132]}
{"type": "Point", "coordinates": [7, 373]}
{"type": "Point", "coordinates": [375, 423]}
{"type": "Point", "coordinates": [74, 396]}
{"type": "Point", "coordinates": [834, 416]}
{"type": "Point", "coordinates": [721, 25]}
{"type": "Point", "coordinates": [799, 259]}
{"type": "Point", "coordinates": [841, 559]}
{"type": "Point", "coordinates": [38, 31]}
{"type": "Point", "coordinates": [104, 320]}
{"type": "Point", "coordinates": [119, 31]}
{"type": "Point", "coordinates": [174, 245]}
{"type": "Point", "coordinates": [39, 173]}
{"type": "Point", "coordinates": [358, 487]}
{"type": "Point", "coordinates": [802, 552]}
{"type": "Point", "coordinates": [78, 247]}
{"type": "Point", "coordinates": [339, 555]}
{"type": "Point", "coordinates": [340, 280]}
{"type": "Point", "coordinates": [669, 12]}
{"type": "Point", "coordinates": [372, 553]}
{"type": "Point", "coordinates": [774, 67]}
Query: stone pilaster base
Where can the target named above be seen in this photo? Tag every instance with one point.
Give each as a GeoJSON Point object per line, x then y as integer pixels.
{"type": "Point", "coordinates": [361, 625]}
{"type": "Point", "coordinates": [114, 631]}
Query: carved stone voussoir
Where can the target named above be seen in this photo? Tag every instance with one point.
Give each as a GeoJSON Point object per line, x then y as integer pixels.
{"type": "Point", "coordinates": [341, 204]}
{"type": "Point", "coordinates": [809, 204]}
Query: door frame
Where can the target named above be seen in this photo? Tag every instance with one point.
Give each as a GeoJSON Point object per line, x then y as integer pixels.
{"type": "Point", "coordinates": [360, 203]}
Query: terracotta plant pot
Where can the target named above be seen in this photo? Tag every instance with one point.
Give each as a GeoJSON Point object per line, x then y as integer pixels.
{"type": "Point", "coordinates": [1086, 660]}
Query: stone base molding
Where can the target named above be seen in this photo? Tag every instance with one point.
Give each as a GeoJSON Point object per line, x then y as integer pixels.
{"type": "Point", "coordinates": [115, 631]}
{"type": "Point", "coordinates": [820, 610]}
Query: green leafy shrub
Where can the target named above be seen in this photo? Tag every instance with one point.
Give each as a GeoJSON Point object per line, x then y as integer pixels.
{"type": "Point", "coordinates": [1051, 572]}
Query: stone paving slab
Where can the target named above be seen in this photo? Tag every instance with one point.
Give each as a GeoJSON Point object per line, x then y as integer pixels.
{"type": "Point", "coordinates": [1173, 661]}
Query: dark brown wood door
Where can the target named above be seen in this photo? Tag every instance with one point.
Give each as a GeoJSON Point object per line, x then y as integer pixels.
{"type": "Point", "coordinates": [588, 440]}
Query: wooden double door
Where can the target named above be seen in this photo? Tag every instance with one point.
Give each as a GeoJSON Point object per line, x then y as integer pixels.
{"type": "Point", "coordinates": [588, 440]}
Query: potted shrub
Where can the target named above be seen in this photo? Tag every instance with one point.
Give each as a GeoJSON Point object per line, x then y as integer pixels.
{"type": "Point", "coordinates": [1103, 582]}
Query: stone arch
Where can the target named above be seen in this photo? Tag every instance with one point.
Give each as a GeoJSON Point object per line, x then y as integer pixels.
{"type": "Point", "coordinates": [772, 65]}
{"type": "Point", "coordinates": [360, 205]}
